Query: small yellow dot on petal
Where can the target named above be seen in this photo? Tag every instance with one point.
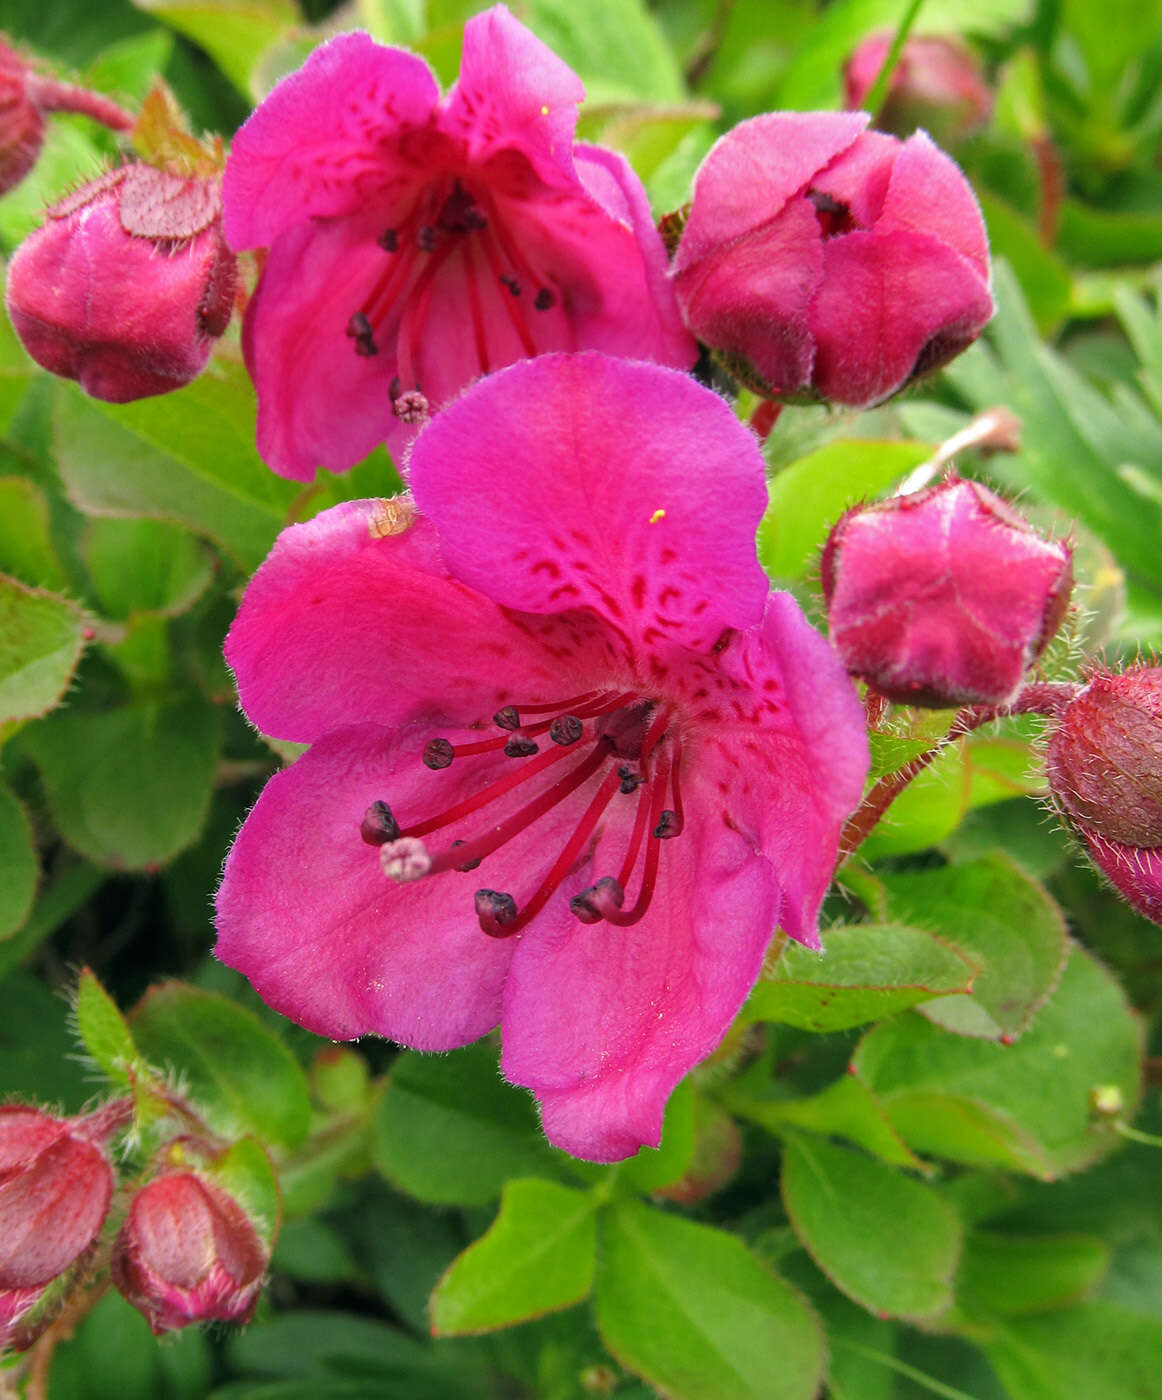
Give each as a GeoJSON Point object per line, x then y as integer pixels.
{"type": "Point", "coordinates": [659, 514]}
{"type": "Point", "coordinates": [544, 111]}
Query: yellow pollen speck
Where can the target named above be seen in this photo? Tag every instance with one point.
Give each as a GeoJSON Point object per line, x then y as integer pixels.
{"type": "Point", "coordinates": [659, 514]}
{"type": "Point", "coordinates": [544, 111]}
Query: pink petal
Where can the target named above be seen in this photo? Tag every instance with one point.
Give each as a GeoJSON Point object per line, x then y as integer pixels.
{"type": "Point", "coordinates": [752, 171]}
{"type": "Point", "coordinates": [319, 403]}
{"type": "Point", "coordinates": [306, 914]}
{"type": "Point", "coordinates": [325, 141]}
{"type": "Point", "coordinates": [929, 195]}
{"type": "Point", "coordinates": [340, 626]}
{"type": "Point", "coordinates": [1134, 871]}
{"type": "Point", "coordinates": [792, 758]}
{"type": "Point", "coordinates": [752, 297]}
{"type": "Point", "coordinates": [602, 1022]}
{"type": "Point", "coordinates": [513, 92]}
{"type": "Point", "coordinates": [585, 482]}
{"type": "Point", "coordinates": [859, 176]}
{"type": "Point", "coordinates": [882, 299]}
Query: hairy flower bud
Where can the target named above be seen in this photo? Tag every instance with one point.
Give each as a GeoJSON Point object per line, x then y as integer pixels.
{"type": "Point", "coordinates": [127, 283]}
{"type": "Point", "coordinates": [21, 125]}
{"type": "Point", "coordinates": [55, 1189]}
{"type": "Point", "coordinates": [943, 596]}
{"type": "Point", "coordinates": [188, 1253]}
{"type": "Point", "coordinates": [936, 85]}
{"type": "Point", "coordinates": [821, 260]}
{"type": "Point", "coordinates": [1104, 760]}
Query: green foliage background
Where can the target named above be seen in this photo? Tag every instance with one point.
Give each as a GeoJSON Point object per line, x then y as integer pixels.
{"type": "Point", "coordinates": [929, 1199]}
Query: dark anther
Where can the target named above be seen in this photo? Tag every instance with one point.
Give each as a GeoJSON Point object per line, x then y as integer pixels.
{"type": "Point", "coordinates": [496, 907]}
{"type": "Point", "coordinates": [545, 299]}
{"type": "Point", "coordinates": [428, 239]}
{"type": "Point", "coordinates": [566, 730]}
{"type": "Point", "coordinates": [506, 280]}
{"type": "Point", "coordinates": [388, 240]}
{"type": "Point", "coordinates": [378, 826]}
{"type": "Point", "coordinates": [520, 747]}
{"type": "Point", "coordinates": [438, 754]}
{"type": "Point", "coordinates": [506, 718]}
{"type": "Point", "coordinates": [826, 203]}
{"type": "Point", "coordinates": [630, 781]}
{"type": "Point", "coordinates": [395, 389]}
{"type": "Point", "coordinates": [460, 213]}
{"type": "Point", "coordinates": [668, 826]}
{"type": "Point", "coordinates": [359, 329]}
{"type": "Point", "coordinates": [590, 905]}
{"type": "Point", "coordinates": [723, 640]}
{"type": "Point", "coordinates": [468, 864]}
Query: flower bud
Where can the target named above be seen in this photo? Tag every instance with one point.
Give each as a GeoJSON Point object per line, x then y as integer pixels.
{"type": "Point", "coordinates": [944, 596]}
{"type": "Point", "coordinates": [821, 260]}
{"type": "Point", "coordinates": [21, 125]}
{"type": "Point", "coordinates": [1104, 760]}
{"type": "Point", "coordinates": [188, 1253]}
{"type": "Point", "coordinates": [936, 84]}
{"type": "Point", "coordinates": [126, 284]}
{"type": "Point", "coordinates": [55, 1188]}
{"type": "Point", "coordinates": [1134, 871]}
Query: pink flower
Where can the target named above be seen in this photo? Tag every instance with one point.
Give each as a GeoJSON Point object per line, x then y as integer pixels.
{"type": "Point", "coordinates": [936, 85]}
{"type": "Point", "coordinates": [188, 1253]}
{"type": "Point", "coordinates": [567, 668]}
{"type": "Point", "coordinates": [822, 259]}
{"type": "Point", "coordinates": [127, 284]}
{"type": "Point", "coordinates": [416, 243]}
{"type": "Point", "coordinates": [944, 596]}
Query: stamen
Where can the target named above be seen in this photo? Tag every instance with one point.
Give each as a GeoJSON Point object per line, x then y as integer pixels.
{"type": "Point", "coordinates": [545, 299]}
{"type": "Point", "coordinates": [479, 337]}
{"type": "Point", "coordinates": [508, 717]}
{"type": "Point", "coordinates": [379, 825]}
{"type": "Point", "coordinates": [388, 240]}
{"type": "Point", "coordinates": [650, 874]}
{"type": "Point", "coordinates": [469, 864]}
{"type": "Point", "coordinates": [359, 329]}
{"type": "Point", "coordinates": [486, 795]}
{"type": "Point", "coordinates": [599, 706]}
{"type": "Point", "coordinates": [405, 860]}
{"type": "Point", "coordinates": [591, 904]}
{"type": "Point", "coordinates": [562, 865]}
{"type": "Point", "coordinates": [675, 788]}
{"type": "Point", "coordinates": [637, 836]}
{"type": "Point", "coordinates": [520, 747]}
{"type": "Point", "coordinates": [504, 831]}
{"type": "Point", "coordinates": [507, 280]}
{"type": "Point", "coordinates": [495, 908]}
{"type": "Point", "coordinates": [559, 705]}
{"type": "Point", "coordinates": [428, 238]}
{"type": "Point", "coordinates": [654, 733]}
{"type": "Point", "coordinates": [438, 753]}
{"type": "Point", "coordinates": [630, 781]}
{"type": "Point", "coordinates": [516, 313]}
{"type": "Point", "coordinates": [667, 826]}
{"type": "Point", "coordinates": [566, 730]}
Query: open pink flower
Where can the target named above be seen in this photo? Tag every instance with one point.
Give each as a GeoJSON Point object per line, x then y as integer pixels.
{"type": "Point", "coordinates": [416, 243]}
{"type": "Point", "coordinates": [822, 259]}
{"type": "Point", "coordinates": [567, 671]}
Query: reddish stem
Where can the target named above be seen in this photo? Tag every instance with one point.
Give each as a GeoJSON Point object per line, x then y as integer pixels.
{"type": "Point", "coordinates": [52, 96]}
{"type": "Point", "coordinates": [1047, 698]}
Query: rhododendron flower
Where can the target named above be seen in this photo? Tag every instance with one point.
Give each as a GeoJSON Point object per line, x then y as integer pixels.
{"type": "Point", "coordinates": [417, 243]}
{"type": "Point", "coordinates": [937, 84]}
{"type": "Point", "coordinates": [566, 671]}
{"type": "Point", "coordinates": [944, 596]}
{"type": "Point", "coordinates": [821, 259]}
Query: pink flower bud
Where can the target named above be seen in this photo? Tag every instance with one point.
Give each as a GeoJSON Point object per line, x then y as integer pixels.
{"type": "Point", "coordinates": [55, 1188]}
{"type": "Point", "coordinates": [21, 125]}
{"type": "Point", "coordinates": [188, 1253]}
{"type": "Point", "coordinates": [1104, 760]}
{"type": "Point", "coordinates": [944, 596]}
{"type": "Point", "coordinates": [14, 1304]}
{"type": "Point", "coordinates": [821, 260]}
{"type": "Point", "coordinates": [127, 283]}
{"type": "Point", "coordinates": [936, 84]}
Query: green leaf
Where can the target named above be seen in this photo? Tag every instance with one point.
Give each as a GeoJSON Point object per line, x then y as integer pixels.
{"type": "Point", "coordinates": [128, 787]}
{"type": "Point", "coordinates": [102, 1029]}
{"type": "Point", "coordinates": [1025, 1106]}
{"type": "Point", "coordinates": [128, 69]}
{"type": "Point", "coordinates": [145, 566]}
{"type": "Point", "coordinates": [639, 64]}
{"type": "Point", "coordinates": [537, 1257]}
{"type": "Point", "coordinates": [19, 868]}
{"type": "Point", "coordinates": [234, 34]}
{"type": "Point", "coordinates": [865, 972]}
{"type": "Point", "coordinates": [36, 1048]}
{"type": "Point", "coordinates": [1108, 238]}
{"type": "Point", "coordinates": [1044, 278]}
{"type": "Point", "coordinates": [1099, 1351]}
{"type": "Point", "coordinates": [809, 496]}
{"type": "Point", "coordinates": [1003, 919]}
{"type": "Point", "coordinates": [887, 1241]}
{"type": "Point", "coordinates": [238, 1073]}
{"type": "Point", "coordinates": [1005, 1275]}
{"type": "Point", "coordinates": [40, 645]}
{"type": "Point", "coordinates": [693, 1311]}
{"type": "Point", "coordinates": [449, 1130]}
{"type": "Point", "coordinates": [652, 1167]}
{"type": "Point", "coordinates": [188, 457]}
{"type": "Point", "coordinates": [26, 545]}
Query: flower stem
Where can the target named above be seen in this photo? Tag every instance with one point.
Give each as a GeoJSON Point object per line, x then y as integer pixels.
{"type": "Point", "coordinates": [1046, 698]}
{"type": "Point", "coordinates": [52, 96]}
{"type": "Point", "coordinates": [879, 89]}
